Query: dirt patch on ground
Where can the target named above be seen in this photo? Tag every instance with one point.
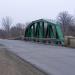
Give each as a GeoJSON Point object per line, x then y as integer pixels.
{"type": "Point", "coordinates": [11, 65]}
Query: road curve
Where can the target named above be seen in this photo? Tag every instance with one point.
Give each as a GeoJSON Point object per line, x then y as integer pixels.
{"type": "Point", "coordinates": [52, 60]}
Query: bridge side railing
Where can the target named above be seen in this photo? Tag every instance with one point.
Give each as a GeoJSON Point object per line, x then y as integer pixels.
{"type": "Point", "coordinates": [45, 40]}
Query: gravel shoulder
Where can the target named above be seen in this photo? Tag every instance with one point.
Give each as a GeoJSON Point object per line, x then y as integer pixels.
{"type": "Point", "coordinates": [10, 64]}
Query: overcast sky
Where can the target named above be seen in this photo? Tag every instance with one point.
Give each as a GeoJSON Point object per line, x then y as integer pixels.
{"type": "Point", "coordinates": [28, 10]}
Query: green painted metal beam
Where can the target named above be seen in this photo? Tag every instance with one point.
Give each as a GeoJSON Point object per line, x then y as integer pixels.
{"type": "Point", "coordinates": [37, 29]}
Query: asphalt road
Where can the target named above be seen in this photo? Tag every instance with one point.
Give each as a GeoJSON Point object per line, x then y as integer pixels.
{"type": "Point", "coordinates": [52, 60]}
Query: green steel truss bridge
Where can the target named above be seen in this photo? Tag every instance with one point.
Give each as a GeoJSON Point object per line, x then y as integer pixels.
{"type": "Point", "coordinates": [45, 31]}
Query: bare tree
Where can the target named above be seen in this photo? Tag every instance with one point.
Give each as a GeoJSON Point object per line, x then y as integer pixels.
{"type": "Point", "coordinates": [66, 20]}
{"type": "Point", "coordinates": [6, 23]}
{"type": "Point", "coordinates": [2, 34]}
{"type": "Point", "coordinates": [14, 32]}
{"type": "Point", "coordinates": [18, 30]}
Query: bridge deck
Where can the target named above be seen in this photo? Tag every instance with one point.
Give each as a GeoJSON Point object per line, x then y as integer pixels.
{"type": "Point", "coordinates": [53, 60]}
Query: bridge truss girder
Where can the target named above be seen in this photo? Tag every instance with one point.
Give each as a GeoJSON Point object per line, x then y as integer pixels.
{"type": "Point", "coordinates": [43, 30]}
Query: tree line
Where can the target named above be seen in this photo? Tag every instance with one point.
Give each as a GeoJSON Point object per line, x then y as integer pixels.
{"type": "Point", "coordinates": [66, 20]}
{"type": "Point", "coordinates": [11, 31]}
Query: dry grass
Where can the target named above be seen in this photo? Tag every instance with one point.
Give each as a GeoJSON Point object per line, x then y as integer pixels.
{"type": "Point", "coordinates": [11, 65]}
